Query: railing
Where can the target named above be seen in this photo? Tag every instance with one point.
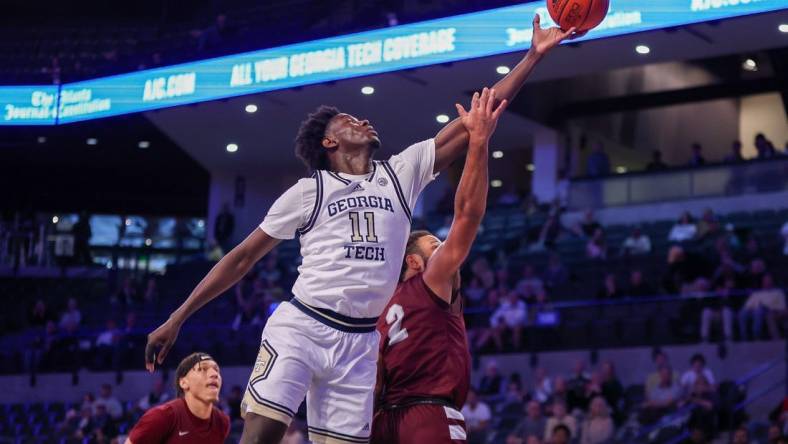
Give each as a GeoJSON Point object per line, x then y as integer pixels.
{"type": "Point", "coordinates": [679, 184]}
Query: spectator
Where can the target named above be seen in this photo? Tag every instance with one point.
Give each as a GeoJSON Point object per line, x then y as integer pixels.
{"type": "Point", "coordinates": [530, 284]}
{"type": "Point", "coordinates": [784, 234]}
{"type": "Point", "coordinates": [561, 435]}
{"type": "Point", "coordinates": [111, 403]}
{"type": "Point", "coordinates": [662, 397]}
{"type": "Point", "coordinates": [598, 163]}
{"type": "Point", "coordinates": [656, 163]}
{"type": "Point", "coordinates": [609, 289]}
{"type": "Point", "coordinates": [556, 273]}
{"type": "Point", "coordinates": [550, 231]}
{"type": "Point", "coordinates": [271, 273]}
{"type": "Point", "coordinates": [443, 231]}
{"type": "Point", "coordinates": [475, 292]}
{"type": "Point", "coordinates": [719, 310]}
{"type": "Point", "coordinates": [157, 395]}
{"type": "Point", "coordinates": [596, 248]}
{"type": "Point", "coordinates": [697, 159]}
{"type": "Point", "coordinates": [107, 346]}
{"type": "Point", "coordinates": [598, 427]}
{"type": "Point", "coordinates": [684, 230]}
{"type": "Point", "coordinates": [542, 311]}
{"type": "Point", "coordinates": [509, 198]}
{"type": "Point", "coordinates": [638, 286]}
{"type": "Point", "coordinates": [103, 425]}
{"type": "Point", "coordinates": [697, 369]}
{"type": "Point", "coordinates": [533, 423]}
{"type": "Point", "coordinates": [234, 403]}
{"type": "Point", "coordinates": [709, 226]}
{"type": "Point", "coordinates": [636, 243]}
{"type": "Point", "coordinates": [560, 391]}
{"type": "Point", "coordinates": [509, 317]}
{"type": "Point", "coordinates": [248, 306]}
{"type": "Point", "coordinates": [72, 317]}
{"type": "Point", "coordinates": [774, 434]}
{"type": "Point", "coordinates": [128, 292]}
{"type": "Point", "coordinates": [562, 188]}
{"type": "Point", "coordinates": [513, 397]}
{"type": "Point", "coordinates": [741, 436]}
{"type": "Point", "coordinates": [679, 270]}
{"type": "Point", "coordinates": [764, 147]}
{"type": "Point", "coordinates": [703, 397]}
{"type": "Point", "coordinates": [223, 228]}
{"type": "Point", "coordinates": [39, 315]}
{"type": "Point", "coordinates": [542, 387]}
{"type": "Point", "coordinates": [491, 384]}
{"type": "Point", "coordinates": [735, 155]}
{"type": "Point", "coordinates": [612, 390]}
{"type": "Point", "coordinates": [697, 436]}
{"type": "Point", "coordinates": [766, 304]}
{"type": "Point", "coordinates": [477, 418]}
{"type": "Point", "coordinates": [150, 298]}
{"type": "Point", "coordinates": [660, 360]}
{"type": "Point", "coordinates": [560, 418]}
{"type": "Point", "coordinates": [588, 226]}
{"type": "Point", "coordinates": [576, 387]}
{"type": "Point", "coordinates": [753, 278]}
{"type": "Point", "coordinates": [82, 234]}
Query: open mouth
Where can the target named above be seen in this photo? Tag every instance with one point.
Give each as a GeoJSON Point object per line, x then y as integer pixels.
{"type": "Point", "coordinates": [214, 385]}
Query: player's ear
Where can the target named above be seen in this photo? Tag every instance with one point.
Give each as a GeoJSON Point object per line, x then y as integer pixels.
{"type": "Point", "coordinates": [184, 384]}
{"type": "Point", "coordinates": [329, 142]}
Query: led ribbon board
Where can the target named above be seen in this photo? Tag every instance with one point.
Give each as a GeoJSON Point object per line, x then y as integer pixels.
{"type": "Point", "coordinates": [431, 42]}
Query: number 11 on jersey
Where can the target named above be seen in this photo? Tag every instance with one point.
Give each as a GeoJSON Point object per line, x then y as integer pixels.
{"type": "Point", "coordinates": [355, 223]}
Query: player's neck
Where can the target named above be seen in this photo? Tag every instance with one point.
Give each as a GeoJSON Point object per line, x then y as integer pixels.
{"type": "Point", "coordinates": [357, 163]}
{"type": "Point", "coordinates": [198, 407]}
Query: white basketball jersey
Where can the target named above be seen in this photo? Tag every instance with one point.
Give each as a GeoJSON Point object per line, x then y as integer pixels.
{"type": "Point", "coordinates": [353, 230]}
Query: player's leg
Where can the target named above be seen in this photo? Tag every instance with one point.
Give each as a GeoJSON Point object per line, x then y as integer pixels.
{"type": "Point", "coordinates": [281, 376]}
{"type": "Point", "coordinates": [430, 423]}
{"type": "Point", "coordinates": [340, 400]}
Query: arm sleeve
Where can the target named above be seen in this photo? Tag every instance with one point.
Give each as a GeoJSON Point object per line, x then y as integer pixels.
{"type": "Point", "coordinates": [153, 427]}
{"type": "Point", "coordinates": [291, 211]}
{"type": "Point", "coordinates": [414, 167]}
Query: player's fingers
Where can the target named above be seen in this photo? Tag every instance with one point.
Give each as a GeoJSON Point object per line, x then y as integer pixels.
{"type": "Point", "coordinates": [150, 352]}
{"type": "Point", "coordinates": [485, 97]}
{"type": "Point", "coordinates": [537, 22]}
{"type": "Point", "coordinates": [490, 101]}
{"type": "Point", "coordinates": [474, 101]}
{"type": "Point", "coordinates": [577, 35]}
{"type": "Point", "coordinates": [460, 110]}
{"type": "Point", "coordinates": [501, 107]}
{"type": "Point", "coordinates": [165, 348]}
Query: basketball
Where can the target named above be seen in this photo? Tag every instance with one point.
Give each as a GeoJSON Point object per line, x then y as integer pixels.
{"type": "Point", "coordinates": [581, 14]}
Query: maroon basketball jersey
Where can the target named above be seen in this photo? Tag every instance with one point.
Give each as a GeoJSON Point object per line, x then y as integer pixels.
{"type": "Point", "coordinates": [174, 423]}
{"type": "Point", "coordinates": [423, 346]}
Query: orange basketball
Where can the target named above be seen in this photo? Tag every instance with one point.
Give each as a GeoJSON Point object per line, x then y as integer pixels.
{"type": "Point", "coordinates": [582, 14]}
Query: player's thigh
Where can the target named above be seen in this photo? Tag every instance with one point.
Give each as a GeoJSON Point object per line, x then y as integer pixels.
{"type": "Point", "coordinates": [283, 369]}
{"type": "Point", "coordinates": [340, 401]}
{"type": "Point", "coordinates": [433, 424]}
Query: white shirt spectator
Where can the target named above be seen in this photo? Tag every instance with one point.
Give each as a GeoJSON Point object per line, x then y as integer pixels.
{"type": "Point", "coordinates": [637, 245]}
{"type": "Point", "coordinates": [112, 404]}
{"type": "Point", "coordinates": [70, 317]}
{"type": "Point", "coordinates": [475, 416]}
{"type": "Point", "coordinates": [688, 378]}
{"type": "Point", "coordinates": [509, 313]}
{"type": "Point", "coordinates": [106, 337]}
{"type": "Point", "coordinates": [772, 298]}
{"type": "Point", "coordinates": [682, 232]}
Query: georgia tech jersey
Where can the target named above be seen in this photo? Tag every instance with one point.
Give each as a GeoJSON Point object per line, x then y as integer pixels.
{"type": "Point", "coordinates": [353, 230]}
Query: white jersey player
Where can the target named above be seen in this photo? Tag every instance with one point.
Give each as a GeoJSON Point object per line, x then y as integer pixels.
{"type": "Point", "coordinates": [352, 218]}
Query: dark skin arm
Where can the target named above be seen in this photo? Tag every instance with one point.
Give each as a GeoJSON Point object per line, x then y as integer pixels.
{"type": "Point", "coordinates": [471, 197]}
{"type": "Point", "coordinates": [226, 273]}
{"type": "Point", "coordinates": [451, 142]}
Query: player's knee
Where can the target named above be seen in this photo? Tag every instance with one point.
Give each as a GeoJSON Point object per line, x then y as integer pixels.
{"type": "Point", "coordinates": [261, 430]}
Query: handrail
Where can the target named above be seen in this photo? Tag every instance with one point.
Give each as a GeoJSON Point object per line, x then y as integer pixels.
{"type": "Point", "coordinates": [758, 371]}
{"type": "Point", "coordinates": [758, 395]}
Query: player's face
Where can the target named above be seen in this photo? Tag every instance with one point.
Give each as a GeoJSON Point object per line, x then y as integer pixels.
{"type": "Point", "coordinates": [428, 245]}
{"type": "Point", "coordinates": [204, 381]}
{"type": "Point", "coordinates": [350, 132]}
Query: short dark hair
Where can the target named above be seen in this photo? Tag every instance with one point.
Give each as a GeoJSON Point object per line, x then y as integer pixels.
{"type": "Point", "coordinates": [309, 140]}
{"type": "Point", "coordinates": [560, 427]}
{"type": "Point", "coordinates": [697, 357]}
{"type": "Point", "coordinates": [185, 366]}
{"type": "Point", "coordinates": [412, 248]}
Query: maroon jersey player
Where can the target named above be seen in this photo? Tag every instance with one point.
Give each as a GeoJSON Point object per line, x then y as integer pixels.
{"type": "Point", "coordinates": [424, 364]}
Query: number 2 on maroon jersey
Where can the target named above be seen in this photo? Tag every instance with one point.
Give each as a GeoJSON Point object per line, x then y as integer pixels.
{"type": "Point", "coordinates": [394, 317]}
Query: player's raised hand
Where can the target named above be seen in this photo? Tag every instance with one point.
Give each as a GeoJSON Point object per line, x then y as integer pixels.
{"type": "Point", "coordinates": [482, 117]}
{"type": "Point", "coordinates": [160, 341]}
{"type": "Point", "coordinates": [546, 39]}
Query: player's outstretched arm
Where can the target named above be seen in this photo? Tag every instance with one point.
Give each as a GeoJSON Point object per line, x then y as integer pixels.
{"type": "Point", "coordinates": [470, 200]}
{"type": "Point", "coordinates": [452, 140]}
{"type": "Point", "coordinates": [226, 273]}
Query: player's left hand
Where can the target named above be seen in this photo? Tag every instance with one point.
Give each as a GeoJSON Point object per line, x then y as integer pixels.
{"type": "Point", "coordinates": [482, 118]}
{"type": "Point", "coordinates": [546, 39]}
{"type": "Point", "coordinates": [160, 341]}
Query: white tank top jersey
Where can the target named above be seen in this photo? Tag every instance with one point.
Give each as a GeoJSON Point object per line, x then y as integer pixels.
{"type": "Point", "coordinates": [353, 230]}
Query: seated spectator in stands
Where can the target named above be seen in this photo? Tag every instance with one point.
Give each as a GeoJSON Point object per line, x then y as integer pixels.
{"type": "Point", "coordinates": [108, 347]}
{"type": "Point", "coordinates": [43, 350]}
{"type": "Point", "coordinates": [684, 230]}
{"type": "Point", "coordinates": [662, 397]}
{"type": "Point", "coordinates": [560, 392]}
{"type": "Point", "coordinates": [656, 163]}
{"type": "Point", "coordinates": [249, 305]}
{"type": "Point", "coordinates": [696, 159]}
{"type": "Point", "coordinates": [502, 281]}
{"type": "Point", "coordinates": [784, 234]}
{"type": "Point", "coordinates": [271, 272]}
{"type": "Point", "coordinates": [39, 315]}
{"type": "Point", "coordinates": [741, 436]}
{"type": "Point", "coordinates": [104, 427]}
{"type": "Point", "coordinates": [767, 304]}
{"type": "Point", "coordinates": [708, 226]}
{"type": "Point", "coordinates": [72, 317]}
{"type": "Point", "coordinates": [636, 243]}
{"type": "Point", "coordinates": [679, 270]}
{"type": "Point", "coordinates": [704, 398]}
{"type": "Point", "coordinates": [719, 310]}
{"type": "Point", "coordinates": [576, 387]}
{"type": "Point", "coordinates": [550, 231]}
{"type": "Point", "coordinates": [475, 292]}
{"type": "Point", "coordinates": [609, 289]}
{"type": "Point", "coordinates": [512, 399]}
{"type": "Point", "coordinates": [697, 435]}
{"type": "Point", "coordinates": [561, 435]}
{"type": "Point", "coordinates": [529, 284]}
{"type": "Point", "coordinates": [596, 247]}
{"type": "Point", "coordinates": [637, 285]}
{"type": "Point", "coordinates": [764, 147]}
{"type": "Point", "coordinates": [157, 395]}
{"type": "Point", "coordinates": [753, 278]}
{"type": "Point", "coordinates": [491, 384]}
{"type": "Point", "coordinates": [556, 273]}
{"type": "Point", "coordinates": [133, 341]}
{"type": "Point", "coordinates": [111, 403]}
{"type": "Point", "coordinates": [481, 269]}
{"type": "Point", "coordinates": [150, 298]}
{"type": "Point", "coordinates": [612, 390]}
{"type": "Point", "coordinates": [477, 418]}
{"type": "Point", "coordinates": [598, 163]}
{"type": "Point", "coordinates": [234, 403]}
{"type": "Point", "coordinates": [598, 426]}
{"type": "Point", "coordinates": [509, 198]}
{"type": "Point", "coordinates": [697, 369]}
{"type": "Point", "coordinates": [542, 311]}
{"type": "Point", "coordinates": [533, 423]}
{"type": "Point", "coordinates": [560, 417]}
{"type": "Point", "coordinates": [127, 294]}
{"type": "Point", "coordinates": [592, 390]}
{"type": "Point", "coordinates": [660, 359]}
{"type": "Point", "coordinates": [510, 317]}
{"type": "Point", "coordinates": [774, 434]}
{"type": "Point", "coordinates": [735, 155]}
{"type": "Point", "coordinates": [588, 226]}
{"type": "Point", "coordinates": [542, 389]}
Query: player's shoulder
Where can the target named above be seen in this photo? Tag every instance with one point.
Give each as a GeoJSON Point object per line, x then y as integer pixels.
{"type": "Point", "coordinates": [223, 417]}
{"type": "Point", "coordinates": [169, 408]}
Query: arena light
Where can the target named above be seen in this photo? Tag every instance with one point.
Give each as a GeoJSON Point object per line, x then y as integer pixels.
{"type": "Point", "coordinates": [232, 147]}
{"type": "Point", "coordinates": [92, 141]}
{"type": "Point", "coordinates": [621, 169]}
{"type": "Point", "coordinates": [530, 167]}
{"type": "Point", "coordinates": [642, 49]}
{"type": "Point", "coordinates": [55, 219]}
{"type": "Point", "coordinates": [143, 144]}
{"type": "Point", "coordinates": [148, 242]}
{"type": "Point", "coordinates": [367, 90]}
{"type": "Point", "coordinates": [496, 183]}
{"type": "Point", "coordinates": [128, 222]}
{"type": "Point", "coordinates": [497, 154]}
{"type": "Point", "coordinates": [503, 69]}
{"type": "Point", "coordinates": [251, 108]}
{"type": "Point", "coordinates": [442, 118]}
{"type": "Point", "coordinates": [750, 65]}
{"type": "Point", "coordinates": [783, 28]}
{"type": "Point", "coordinates": [200, 223]}
{"type": "Point", "coordinates": [41, 139]}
